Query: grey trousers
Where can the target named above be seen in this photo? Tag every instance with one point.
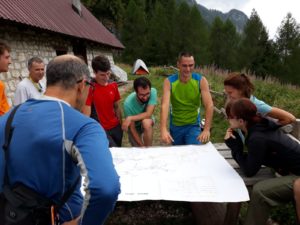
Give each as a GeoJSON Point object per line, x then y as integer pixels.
{"type": "Point", "coordinates": [267, 194]}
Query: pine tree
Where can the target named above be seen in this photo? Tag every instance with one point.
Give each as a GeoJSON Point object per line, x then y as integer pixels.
{"type": "Point", "coordinates": [254, 45]}
{"type": "Point", "coordinates": [157, 39]}
{"type": "Point", "coordinates": [223, 44]}
{"type": "Point", "coordinates": [109, 12]}
{"type": "Point", "coordinates": [288, 38]}
{"type": "Point", "coordinates": [215, 44]}
{"type": "Point", "coordinates": [230, 40]}
{"type": "Point", "coordinates": [133, 31]}
{"type": "Point", "coordinates": [198, 36]}
{"type": "Point", "coordinates": [183, 28]}
{"type": "Point", "coordinates": [288, 46]}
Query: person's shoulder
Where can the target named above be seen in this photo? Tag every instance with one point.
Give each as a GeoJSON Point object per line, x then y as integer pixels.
{"type": "Point", "coordinates": [130, 98]}
{"type": "Point", "coordinates": [153, 90]}
{"type": "Point", "coordinates": [77, 117]}
{"type": "Point", "coordinates": [262, 107]}
{"type": "Point", "coordinates": [197, 76]}
{"type": "Point", "coordinates": [23, 83]}
{"type": "Point", "coordinates": [260, 130]}
{"type": "Point", "coordinates": [112, 84]}
{"type": "Point", "coordinates": [256, 100]}
{"type": "Point", "coordinates": [173, 77]}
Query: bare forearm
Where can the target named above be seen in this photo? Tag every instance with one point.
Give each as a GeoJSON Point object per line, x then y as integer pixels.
{"type": "Point", "coordinates": [165, 106]}
{"type": "Point", "coordinates": [135, 135]}
{"type": "Point", "coordinates": [209, 111]}
{"type": "Point", "coordinates": [163, 118]}
{"type": "Point", "coordinates": [282, 116]}
{"type": "Point", "coordinates": [144, 115]}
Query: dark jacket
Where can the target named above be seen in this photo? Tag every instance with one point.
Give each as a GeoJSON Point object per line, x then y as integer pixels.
{"type": "Point", "coordinates": [267, 145]}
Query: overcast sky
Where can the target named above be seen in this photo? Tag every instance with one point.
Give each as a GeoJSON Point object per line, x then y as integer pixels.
{"type": "Point", "coordinates": [271, 12]}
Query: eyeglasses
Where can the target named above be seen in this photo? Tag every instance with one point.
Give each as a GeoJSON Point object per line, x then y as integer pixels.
{"type": "Point", "coordinates": [143, 95]}
{"type": "Point", "coordinates": [86, 82]}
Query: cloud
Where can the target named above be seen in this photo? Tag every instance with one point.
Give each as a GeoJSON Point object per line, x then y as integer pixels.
{"type": "Point", "coordinates": [272, 12]}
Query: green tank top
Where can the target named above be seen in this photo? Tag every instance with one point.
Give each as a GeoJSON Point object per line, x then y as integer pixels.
{"type": "Point", "coordinates": [185, 100]}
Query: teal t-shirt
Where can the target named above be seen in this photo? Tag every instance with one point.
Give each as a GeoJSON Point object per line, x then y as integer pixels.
{"type": "Point", "coordinates": [133, 107]}
{"type": "Point", "coordinates": [262, 107]}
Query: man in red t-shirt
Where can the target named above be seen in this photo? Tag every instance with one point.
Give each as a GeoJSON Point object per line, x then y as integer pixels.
{"type": "Point", "coordinates": [105, 97]}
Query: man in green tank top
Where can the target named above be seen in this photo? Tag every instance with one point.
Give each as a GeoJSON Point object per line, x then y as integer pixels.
{"type": "Point", "coordinates": [182, 94]}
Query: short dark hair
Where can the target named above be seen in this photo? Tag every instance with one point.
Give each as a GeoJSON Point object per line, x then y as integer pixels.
{"type": "Point", "coordinates": [32, 60]}
{"type": "Point", "coordinates": [3, 47]}
{"type": "Point", "coordinates": [100, 63]}
{"type": "Point", "coordinates": [66, 71]}
{"type": "Point", "coordinates": [141, 82]}
{"type": "Point", "coordinates": [240, 82]}
{"type": "Point", "coordinates": [184, 54]}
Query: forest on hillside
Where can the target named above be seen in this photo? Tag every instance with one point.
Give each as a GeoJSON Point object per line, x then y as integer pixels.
{"type": "Point", "coordinates": [157, 30]}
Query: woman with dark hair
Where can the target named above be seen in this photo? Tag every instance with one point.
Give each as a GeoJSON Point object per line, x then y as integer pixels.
{"type": "Point", "coordinates": [266, 145]}
{"type": "Point", "coordinates": [238, 85]}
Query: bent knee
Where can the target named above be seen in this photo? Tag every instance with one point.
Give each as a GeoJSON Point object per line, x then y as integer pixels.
{"type": "Point", "coordinates": [147, 124]}
{"type": "Point", "coordinates": [259, 191]}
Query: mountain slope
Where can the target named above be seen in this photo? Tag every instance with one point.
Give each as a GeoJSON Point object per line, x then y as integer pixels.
{"type": "Point", "coordinates": [238, 18]}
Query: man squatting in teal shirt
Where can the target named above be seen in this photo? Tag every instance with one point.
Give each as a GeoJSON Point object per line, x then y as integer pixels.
{"type": "Point", "coordinates": [184, 91]}
{"type": "Point", "coordinates": [138, 109]}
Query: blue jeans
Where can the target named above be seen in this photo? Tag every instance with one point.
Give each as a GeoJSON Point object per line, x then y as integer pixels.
{"type": "Point", "coordinates": [185, 135]}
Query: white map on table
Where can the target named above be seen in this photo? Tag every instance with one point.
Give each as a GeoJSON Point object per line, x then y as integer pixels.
{"type": "Point", "coordinates": [192, 173]}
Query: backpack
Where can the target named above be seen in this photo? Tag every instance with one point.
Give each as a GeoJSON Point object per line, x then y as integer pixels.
{"type": "Point", "coordinates": [19, 204]}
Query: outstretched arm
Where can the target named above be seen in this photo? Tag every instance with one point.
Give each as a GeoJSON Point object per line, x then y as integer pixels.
{"type": "Point", "coordinates": [165, 104]}
{"type": "Point", "coordinates": [282, 116]}
{"type": "Point", "coordinates": [209, 110]}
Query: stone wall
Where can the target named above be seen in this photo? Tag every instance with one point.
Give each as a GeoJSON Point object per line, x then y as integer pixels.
{"type": "Point", "coordinates": [26, 43]}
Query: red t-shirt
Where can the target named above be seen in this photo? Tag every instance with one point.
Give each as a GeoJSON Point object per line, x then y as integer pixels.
{"type": "Point", "coordinates": [104, 98]}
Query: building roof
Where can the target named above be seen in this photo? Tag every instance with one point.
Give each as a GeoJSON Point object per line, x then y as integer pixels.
{"type": "Point", "coordinates": [58, 16]}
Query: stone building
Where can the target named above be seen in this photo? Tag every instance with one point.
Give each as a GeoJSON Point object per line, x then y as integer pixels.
{"type": "Point", "coordinates": [46, 29]}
